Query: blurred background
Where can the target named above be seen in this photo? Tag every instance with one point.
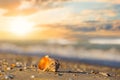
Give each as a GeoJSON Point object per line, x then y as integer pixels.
{"type": "Point", "coordinates": [87, 31]}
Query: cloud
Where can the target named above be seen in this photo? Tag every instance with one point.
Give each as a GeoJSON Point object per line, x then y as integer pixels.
{"type": "Point", "coordinates": [116, 25]}
{"type": "Point", "coordinates": [113, 1]}
{"type": "Point", "coordinates": [53, 31]}
{"type": "Point", "coordinates": [2, 11]}
{"type": "Point", "coordinates": [27, 7]}
{"type": "Point", "coordinates": [116, 2]}
{"type": "Point", "coordinates": [51, 16]}
{"type": "Point", "coordinates": [23, 12]}
{"type": "Point", "coordinates": [88, 28]}
{"type": "Point", "coordinates": [100, 1]}
{"type": "Point", "coordinates": [9, 4]}
{"type": "Point", "coordinates": [12, 4]}
{"type": "Point", "coordinates": [110, 13]}
{"type": "Point", "coordinates": [91, 15]}
{"type": "Point", "coordinates": [99, 14]}
{"type": "Point", "coordinates": [17, 7]}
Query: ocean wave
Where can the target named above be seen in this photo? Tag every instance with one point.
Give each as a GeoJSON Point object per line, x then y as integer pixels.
{"type": "Point", "coordinates": [105, 41]}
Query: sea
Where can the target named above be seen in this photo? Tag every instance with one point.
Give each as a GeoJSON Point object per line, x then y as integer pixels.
{"type": "Point", "coordinates": [98, 51]}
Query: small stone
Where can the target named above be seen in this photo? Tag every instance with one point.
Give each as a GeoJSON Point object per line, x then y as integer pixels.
{"type": "Point", "coordinates": [95, 72]}
{"type": "Point", "coordinates": [91, 71]}
{"type": "Point", "coordinates": [2, 71]}
{"type": "Point", "coordinates": [6, 77]}
{"type": "Point", "coordinates": [60, 74]}
{"type": "Point", "coordinates": [4, 62]}
{"type": "Point", "coordinates": [18, 64]}
{"type": "Point", "coordinates": [24, 67]}
{"type": "Point", "coordinates": [20, 69]}
{"type": "Point", "coordinates": [1, 74]}
{"type": "Point", "coordinates": [32, 76]}
{"type": "Point", "coordinates": [13, 65]}
{"type": "Point", "coordinates": [34, 66]}
{"type": "Point", "coordinates": [74, 75]}
{"type": "Point", "coordinates": [69, 71]}
{"type": "Point", "coordinates": [79, 70]}
{"type": "Point", "coordinates": [104, 74]}
{"type": "Point", "coordinates": [10, 76]}
{"type": "Point", "coordinates": [9, 68]}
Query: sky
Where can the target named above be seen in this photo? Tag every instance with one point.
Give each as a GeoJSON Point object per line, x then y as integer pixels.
{"type": "Point", "coordinates": [58, 19]}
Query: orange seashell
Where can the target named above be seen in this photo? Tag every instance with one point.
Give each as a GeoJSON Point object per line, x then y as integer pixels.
{"type": "Point", "coordinates": [48, 64]}
{"type": "Point", "coordinates": [43, 62]}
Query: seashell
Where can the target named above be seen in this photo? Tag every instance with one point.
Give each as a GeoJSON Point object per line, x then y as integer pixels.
{"type": "Point", "coordinates": [48, 64]}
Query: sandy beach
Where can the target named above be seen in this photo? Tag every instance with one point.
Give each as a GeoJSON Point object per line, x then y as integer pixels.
{"type": "Point", "coordinates": [59, 39]}
{"type": "Point", "coordinates": [27, 69]}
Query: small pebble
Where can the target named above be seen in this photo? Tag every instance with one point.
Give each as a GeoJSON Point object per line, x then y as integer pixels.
{"type": "Point", "coordinates": [20, 69]}
{"type": "Point", "coordinates": [69, 71]}
{"type": "Point", "coordinates": [13, 65]}
{"type": "Point", "coordinates": [24, 67]}
{"type": "Point", "coordinates": [104, 74]}
{"type": "Point", "coordinates": [79, 70]}
{"type": "Point", "coordinates": [6, 77]}
{"type": "Point", "coordinates": [2, 71]}
{"type": "Point", "coordinates": [60, 74]}
{"type": "Point", "coordinates": [95, 72]}
{"type": "Point", "coordinates": [1, 74]}
{"type": "Point", "coordinates": [10, 76]}
{"type": "Point", "coordinates": [8, 68]}
{"type": "Point", "coordinates": [32, 76]}
{"type": "Point", "coordinates": [74, 75]}
{"type": "Point", "coordinates": [18, 64]}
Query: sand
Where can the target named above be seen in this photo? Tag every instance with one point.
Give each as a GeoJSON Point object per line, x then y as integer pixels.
{"type": "Point", "coordinates": [69, 70]}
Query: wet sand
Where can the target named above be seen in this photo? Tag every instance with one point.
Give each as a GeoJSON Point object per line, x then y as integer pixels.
{"type": "Point", "coordinates": [26, 69]}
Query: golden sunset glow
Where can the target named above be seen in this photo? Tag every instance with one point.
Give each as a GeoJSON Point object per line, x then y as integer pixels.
{"type": "Point", "coordinates": [39, 19]}
{"type": "Point", "coordinates": [21, 26]}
